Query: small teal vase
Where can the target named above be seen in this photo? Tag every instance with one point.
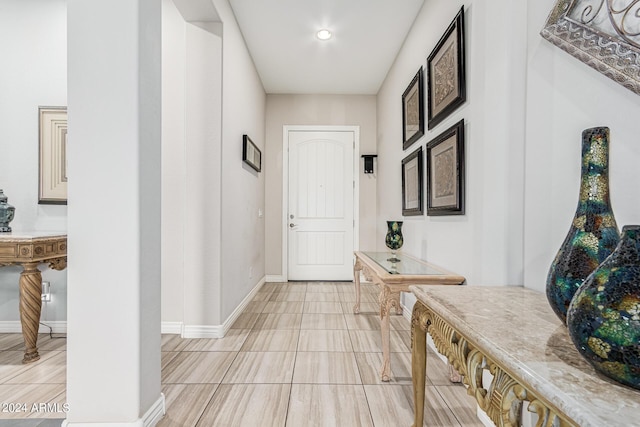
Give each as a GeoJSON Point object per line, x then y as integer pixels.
{"type": "Point", "coordinates": [393, 239]}
{"type": "Point", "coordinates": [6, 213]}
{"type": "Point", "coordinates": [604, 315]}
{"type": "Point", "coordinates": [594, 232]}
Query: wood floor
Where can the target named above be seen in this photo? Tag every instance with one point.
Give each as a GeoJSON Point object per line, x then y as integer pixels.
{"type": "Point", "coordinates": [297, 356]}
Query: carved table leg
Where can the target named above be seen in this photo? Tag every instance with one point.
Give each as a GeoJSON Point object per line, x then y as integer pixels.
{"type": "Point", "coordinates": [356, 281]}
{"type": "Point", "coordinates": [418, 360]}
{"type": "Point", "coordinates": [398, 306]}
{"type": "Point", "coordinates": [387, 300]}
{"type": "Point", "coordinates": [30, 306]}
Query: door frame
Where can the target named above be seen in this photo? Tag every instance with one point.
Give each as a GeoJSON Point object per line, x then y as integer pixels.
{"type": "Point", "coordinates": [285, 184]}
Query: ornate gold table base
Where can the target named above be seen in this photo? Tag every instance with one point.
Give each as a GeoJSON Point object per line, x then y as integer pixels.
{"type": "Point", "coordinates": [29, 251]}
{"type": "Point", "coordinates": [502, 402]}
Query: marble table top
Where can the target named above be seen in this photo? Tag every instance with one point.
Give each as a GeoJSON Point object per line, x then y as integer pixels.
{"type": "Point", "coordinates": [517, 328]}
{"type": "Point", "coordinates": [30, 235]}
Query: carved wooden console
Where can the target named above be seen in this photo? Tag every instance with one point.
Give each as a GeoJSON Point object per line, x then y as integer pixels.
{"type": "Point", "coordinates": [29, 249]}
{"type": "Point", "coordinates": [393, 278]}
{"type": "Point", "coordinates": [512, 333]}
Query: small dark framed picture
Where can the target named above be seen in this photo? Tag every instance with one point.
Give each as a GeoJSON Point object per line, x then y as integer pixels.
{"type": "Point", "coordinates": [446, 85]}
{"type": "Point", "coordinates": [412, 184]}
{"type": "Point", "coordinates": [413, 111]}
{"type": "Point", "coordinates": [445, 172]}
{"type": "Point", "coordinates": [251, 154]}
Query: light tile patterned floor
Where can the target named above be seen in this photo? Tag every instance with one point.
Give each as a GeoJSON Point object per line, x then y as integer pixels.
{"type": "Point", "coordinates": [297, 356]}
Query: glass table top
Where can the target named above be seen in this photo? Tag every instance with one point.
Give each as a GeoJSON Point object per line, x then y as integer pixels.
{"type": "Point", "coordinates": [406, 265]}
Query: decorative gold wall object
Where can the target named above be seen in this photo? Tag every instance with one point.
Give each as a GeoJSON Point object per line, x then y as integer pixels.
{"type": "Point", "coordinates": [604, 34]}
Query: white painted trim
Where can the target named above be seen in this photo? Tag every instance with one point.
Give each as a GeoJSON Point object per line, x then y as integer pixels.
{"type": "Point", "coordinates": [15, 327]}
{"type": "Point", "coordinates": [275, 278]}
{"type": "Point", "coordinates": [171, 328]}
{"type": "Point", "coordinates": [285, 184]}
{"type": "Point", "coordinates": [219, 331]}
{"type": "Point", "coordinates": [155, 412]}
{"type": "Point", "coordinates": [240, 308]}
{"type": "Point", "coordinates": [202, 331]}
{"type": "Point", "coordinates": [153, 415]}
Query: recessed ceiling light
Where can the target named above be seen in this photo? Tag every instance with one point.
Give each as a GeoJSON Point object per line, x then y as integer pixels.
{"type": "Point", "coordinates": [324, 34]}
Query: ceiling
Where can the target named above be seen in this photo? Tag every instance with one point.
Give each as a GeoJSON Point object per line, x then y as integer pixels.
{"type": "Point", "coordinates": [367, 35]}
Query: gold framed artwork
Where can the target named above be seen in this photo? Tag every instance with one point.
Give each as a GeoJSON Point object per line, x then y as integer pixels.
{"type": "Point", "coordinates": [52, 155]}
{"type": "Point", "coordinates": [446, 85]}
{"type": "Point", "coordinates": [412, 184]}
{"type": "Point", "coordinates": [445, 172]}
{"type": "Point", "coordinates": [603, 34]}
{"type": "Point", "coordinates": [413, 111]}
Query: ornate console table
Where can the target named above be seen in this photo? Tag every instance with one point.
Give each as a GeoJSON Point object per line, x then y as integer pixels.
{"type": "Point", "coordinates": [29, 249]}
{"type": "Point", "coordinates": [512, 333]}
{"type": "Point", "coordinates": [393, 278]}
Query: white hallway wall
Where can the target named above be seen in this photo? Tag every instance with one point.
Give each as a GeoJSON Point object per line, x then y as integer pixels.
{"type": "Point", "coordinates": [36, 75]}
{"type": "Point", "coordinates": [33, 73]}
{"type": "Point", "coordinates": [565, 96]}
{"type": "Point", "coordinates": [485, 244]}
{"type": "Point", "coordinates": [527, 105]}
{"type": "Point", "coordinates": [213, 239]}
{"type": "Point", "coordinates": [356, 110]}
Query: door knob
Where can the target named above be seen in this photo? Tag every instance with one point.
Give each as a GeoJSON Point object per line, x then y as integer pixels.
{"type": "Point", "coordinates": [292, 225]}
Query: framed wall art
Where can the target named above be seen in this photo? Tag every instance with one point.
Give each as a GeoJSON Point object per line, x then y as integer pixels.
{"type": "Point", "coordinates": [413, 111]}
{"type": "Point", "coordinates": [251, 154]}
{"type": "Point", "coordinates": [446, 84]}
{"type": "Point", "coordinates": [52, 130]}
{"type": "Point", "coordinates": [603, 34]}
{"type": "Point", "coordinates": [445, 172]}
{"type": "Point", "coordinates": [412, 184]}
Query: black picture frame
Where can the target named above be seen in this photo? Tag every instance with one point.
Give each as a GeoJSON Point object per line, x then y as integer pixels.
{"type": "Point", "coordinates": [446, 172]}
{"type": "Point", "coordinates": [446, 85]}
{"type": "Point", "coordinates": [413, 184]}
{"type": "Point", "coordinates": [413, 110]}
{"type": "Point", "coordinates": [251, 154]}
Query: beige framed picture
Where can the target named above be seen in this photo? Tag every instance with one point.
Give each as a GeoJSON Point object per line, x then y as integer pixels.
{"type": "Point", "coordinates": [412, 188]}
{"type": "Point", "coordinates": [53, 155]}
{"type": "Point", "coordinates": [445, 172]}
{"type": "Point", "coordinates": [446, 83]}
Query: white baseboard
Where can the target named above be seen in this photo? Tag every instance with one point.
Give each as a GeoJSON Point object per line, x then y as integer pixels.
{"type": "Point", "coordinates": [202, 331]}
{"type": "Point", "coordinates": [240, 308]}
{"type": "Point", "coordinates": [274, 278]}
{"type": "Point", "coordinates": [171, 328]}
{"type": "Point", "coordinates": [153, 415]}
{"type": "Point", "coordinates": [219, 331]}
{"type": "Point", "coordinates": [15, 327]}
{"type": "Point", "coordinates": [155, 412]}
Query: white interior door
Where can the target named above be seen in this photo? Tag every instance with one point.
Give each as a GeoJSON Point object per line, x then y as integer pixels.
{"type": "Point", "coordinates": [320, 220]}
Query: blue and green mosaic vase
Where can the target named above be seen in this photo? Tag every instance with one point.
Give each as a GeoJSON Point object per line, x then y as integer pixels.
{"type": "Point", "coordinates": [604, 315]}
{"type": "Point", "coordinates": [394, 239]}
{"type": "Point", "coordinates": [593, 234]}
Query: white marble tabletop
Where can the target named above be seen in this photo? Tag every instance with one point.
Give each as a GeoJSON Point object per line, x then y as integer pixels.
{"type": "Point", "coordinates": [31, 234]}
{"type": "Point", "coordinates": [517, 328]}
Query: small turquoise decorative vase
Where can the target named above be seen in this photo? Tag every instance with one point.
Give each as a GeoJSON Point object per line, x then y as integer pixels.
{"type": "Point", "coordinates": [393, 239]}
{"type": "Point", "coordinates": [6, 213]}
{"type": "Point", "coordinates": [604, 315]}
{"type": "Point", "coordinates": [594, 232]}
